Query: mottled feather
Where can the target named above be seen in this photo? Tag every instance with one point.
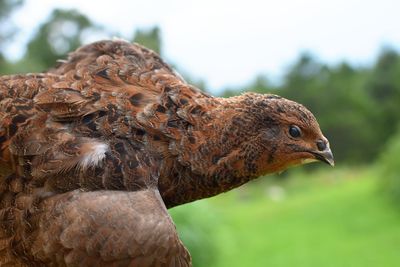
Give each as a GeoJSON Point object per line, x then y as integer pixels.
{"type": "Point", "coordinates": [95, 150]}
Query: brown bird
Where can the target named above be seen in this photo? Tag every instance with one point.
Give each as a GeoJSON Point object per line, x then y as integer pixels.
{"type": "Point", "coordinates": [94, 151]}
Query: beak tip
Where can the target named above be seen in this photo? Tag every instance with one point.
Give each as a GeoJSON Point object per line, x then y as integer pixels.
{"type": "Point", "coordinates": [325, 156]}
{"type": "Point", "coordinates": [328, 158]}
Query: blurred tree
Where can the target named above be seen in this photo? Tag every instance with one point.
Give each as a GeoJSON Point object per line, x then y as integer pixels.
{"type": "Point", "coordinates": [63, 32]}
{"type": "Point", "coordinates": [199, 83]}
{"type": "Point", "coordinates": [384, 88]}
{"type": "Point", "coordinates": [150, 38]}
{"type": "Point", "coordinates": [389, 168]}
{"type": "Point", "coordinates": [7, 29]}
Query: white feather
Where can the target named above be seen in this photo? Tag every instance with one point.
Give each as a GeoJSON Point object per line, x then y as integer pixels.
{"type": "Point", "coordinates": [95, 155]}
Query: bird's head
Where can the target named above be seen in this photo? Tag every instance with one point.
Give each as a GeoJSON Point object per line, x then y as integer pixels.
{"type": "Point", "coordinates": [240, 138]}
{"type": "Point", "coordinates": [274, 134]}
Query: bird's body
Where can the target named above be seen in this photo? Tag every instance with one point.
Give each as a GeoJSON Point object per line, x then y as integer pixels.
{"type": "Point", "coordinates": [95, 150]}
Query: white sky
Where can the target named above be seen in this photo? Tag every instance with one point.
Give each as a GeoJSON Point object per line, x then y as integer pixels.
{"type": "Point", "coordinates": [228, 42]}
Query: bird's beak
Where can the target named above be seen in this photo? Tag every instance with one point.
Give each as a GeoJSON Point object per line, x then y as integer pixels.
{"type": "Point", "coordinates": [325, 156]}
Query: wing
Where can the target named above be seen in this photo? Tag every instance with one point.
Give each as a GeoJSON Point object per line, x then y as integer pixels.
{"type": "Point", "coordinates": [137, 78]}
{"type": "Point", "coordinates": [106, 228]}
{"type": "Point", "coordinates": [104, 90]}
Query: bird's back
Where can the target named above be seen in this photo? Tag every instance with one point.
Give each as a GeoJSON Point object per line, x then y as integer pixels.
{"type": "Point", "coordinates": [103, 90]}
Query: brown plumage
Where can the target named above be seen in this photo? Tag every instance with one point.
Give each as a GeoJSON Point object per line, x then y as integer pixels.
{"type": "Point", "coordinates": [95, 150]}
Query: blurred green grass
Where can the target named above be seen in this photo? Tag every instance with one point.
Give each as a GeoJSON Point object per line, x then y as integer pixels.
{"type": "Point", "coordinates": [326, 218]}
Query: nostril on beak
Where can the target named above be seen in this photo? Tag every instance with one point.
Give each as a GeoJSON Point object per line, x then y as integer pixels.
{"type": "Point", "coordinates": [321, 145]}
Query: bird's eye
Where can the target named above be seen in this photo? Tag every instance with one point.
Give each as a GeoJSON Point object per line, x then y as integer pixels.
{"type": "Point", "coordinates": [294, 131]}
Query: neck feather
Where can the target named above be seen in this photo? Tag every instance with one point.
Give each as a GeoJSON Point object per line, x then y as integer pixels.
{"type": "Point", "coordinates": [210, 157]}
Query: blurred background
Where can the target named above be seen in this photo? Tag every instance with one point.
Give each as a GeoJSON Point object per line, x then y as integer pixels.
{"type": "Point", "coordinates": [339, 58]}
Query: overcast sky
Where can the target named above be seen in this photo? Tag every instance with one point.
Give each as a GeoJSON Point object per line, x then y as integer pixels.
{"type": "Point", "coordinates": [227, 42]}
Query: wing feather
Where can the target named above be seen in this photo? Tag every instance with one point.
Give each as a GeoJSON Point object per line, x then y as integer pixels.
{"type": "Point", "coordinates": [108, 228]}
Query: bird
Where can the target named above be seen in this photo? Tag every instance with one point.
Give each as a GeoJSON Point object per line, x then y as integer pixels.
{"type": "Point", "coordinates": [96, 150]}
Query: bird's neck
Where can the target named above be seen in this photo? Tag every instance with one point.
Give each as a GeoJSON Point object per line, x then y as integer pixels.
{"type": "Point", "coordinates": [212, 160]}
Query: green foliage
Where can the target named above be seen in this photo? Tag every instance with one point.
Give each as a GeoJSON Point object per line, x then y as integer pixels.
{"type": "Point", "coordinates": [197, 224]}
{"type": "Point", "coordinates": [150, 38]}
{"type": "Point", "coordinates": [384, 87]}
{"type": "Point", "coordinates": [388, 167]}
{"type": "Point", "coordinates": [7, 29]}
{"type": "Point", "coordinates": [7, 6]}
{"type": "Point", "coordinates": [61, 33]}
{"type": "Point", "coordinates": [64, 31]}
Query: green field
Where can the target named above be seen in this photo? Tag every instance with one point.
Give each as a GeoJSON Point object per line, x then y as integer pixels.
{"type": "Point", "coordinates": [331, 218]}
